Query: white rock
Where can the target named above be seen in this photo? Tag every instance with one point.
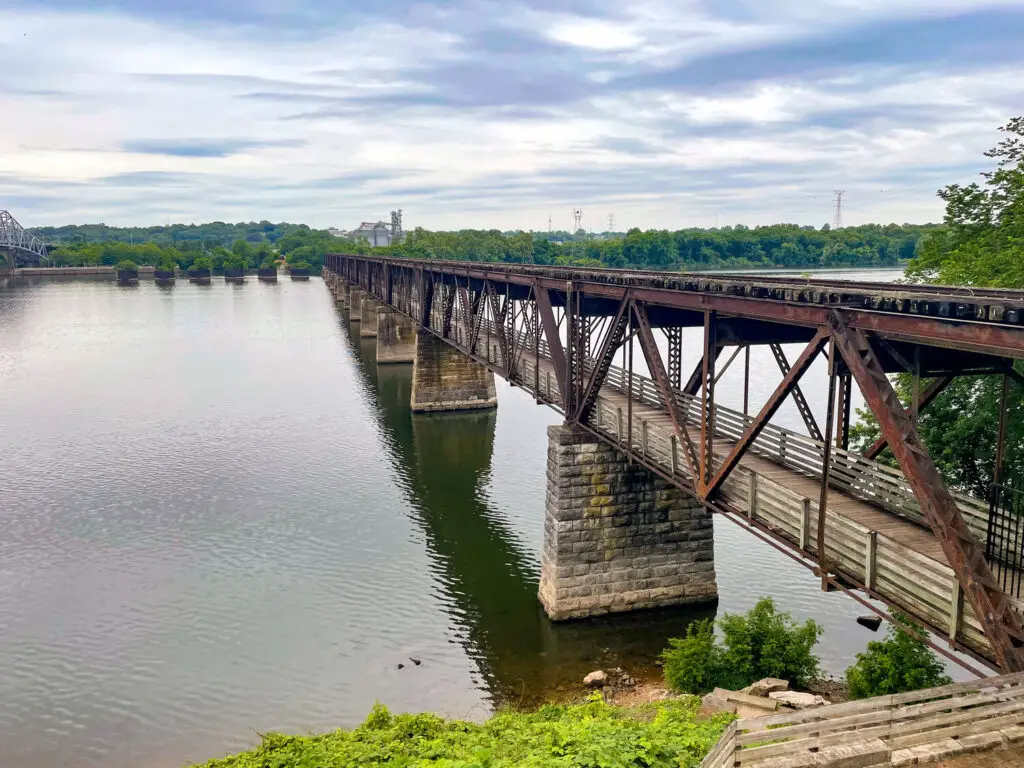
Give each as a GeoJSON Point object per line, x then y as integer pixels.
{"type": "Point", "coordinates": [596, 679]}
{"type": "Point", "coordinates": [798, 700]}
{"type": "Point", "coordinates": [717, 702]}
{"type": "Point", "coordinates": [766, 686]}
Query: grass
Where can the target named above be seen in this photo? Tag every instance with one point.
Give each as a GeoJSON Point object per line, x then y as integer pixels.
{"type": "Point", "coordinates": [589, 735]}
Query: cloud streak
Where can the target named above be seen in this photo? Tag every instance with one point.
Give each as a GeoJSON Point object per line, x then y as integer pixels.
{"type": "Point", "coordinates": [667, 113]}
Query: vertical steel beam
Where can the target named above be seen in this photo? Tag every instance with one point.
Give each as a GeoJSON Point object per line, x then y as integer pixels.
{"type": "Point", "coordinates": [707, 400]}
{"type": "Point", "coordinates": [826, 463]}
{"type": "Point", "coordinates": [675, 356]}
{"type": "Point", "coordinates": [746, 380]}
{"type": "Point", "coordinates": [967, 559]}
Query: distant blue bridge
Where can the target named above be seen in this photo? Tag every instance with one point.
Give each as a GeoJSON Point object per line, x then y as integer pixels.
{"type": "Point", "coordinates": [18, 246]}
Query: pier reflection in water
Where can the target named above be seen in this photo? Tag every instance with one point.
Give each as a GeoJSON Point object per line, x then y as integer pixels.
{"type": "Point", "coordinates": [483, 563]}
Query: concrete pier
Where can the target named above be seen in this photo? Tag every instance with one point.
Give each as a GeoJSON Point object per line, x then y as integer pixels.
{"type": "Point", "coordinates": [617, 537]}
{"type": "Point", "coordinates": [396, 337]}
{"type": "Point", "coordinates": [355, 304]}
{"type": "Point", "coordinates": [368, 313]}
{"type": "Point", "coordinates": [444, 379]}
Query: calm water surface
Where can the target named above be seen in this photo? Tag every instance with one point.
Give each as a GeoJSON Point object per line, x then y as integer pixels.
{"type": "Point", "coordinates": [220, 517]}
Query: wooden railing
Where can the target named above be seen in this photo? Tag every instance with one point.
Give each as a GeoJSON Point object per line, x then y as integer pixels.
{"type": "Point", "coordinates": [886, 727]}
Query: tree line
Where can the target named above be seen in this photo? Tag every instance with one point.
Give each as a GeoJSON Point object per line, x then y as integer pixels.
{"type": "Point", "coordinates": [739, 247]}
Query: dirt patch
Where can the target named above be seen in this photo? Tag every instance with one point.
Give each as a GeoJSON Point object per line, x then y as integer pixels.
{"type": "Point", "coordinates": [831, 688]}
{"type": "Point", "coordinates": [1013, 758]}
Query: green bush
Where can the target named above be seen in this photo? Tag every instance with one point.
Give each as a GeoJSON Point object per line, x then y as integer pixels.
{"type": "Point", "coordinates": [301, 265]}
{"type": "Point", "coordinates": [896, 664]}
{"type": "Point", "coordinates": [693, 663]}
{"type": "Point", "coordinates": [761, 643]}
{"type": "Point", "coordinates": [203, 262]}
{"type": "Point", "coordinates": [667, 733]}
{"type": "Point", "coordinates": [268, 264]}
{"type": "Point", "coordinates": [126, 266]}
{"type": "Point", "coordinates": [766, 643]}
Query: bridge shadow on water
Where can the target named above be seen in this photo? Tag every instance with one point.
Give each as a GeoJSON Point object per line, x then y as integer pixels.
{"type": "Point", "coordinates": [479, 561]}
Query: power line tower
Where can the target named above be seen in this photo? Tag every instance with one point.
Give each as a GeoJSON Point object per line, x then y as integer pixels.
{"type": "Point", "coordinates": [577, 220]}
{"type": "Point", "coordinates": [611, 223]}
{"type": "Point", "coordinates": [837, 205]}
{"type": "Point", "coordinates": [549, 223]}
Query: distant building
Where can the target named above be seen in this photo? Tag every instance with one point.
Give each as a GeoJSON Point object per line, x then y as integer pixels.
{"type": "Point", "coordinates": [335, 232]}
{"type": "Point", "coordinates": [376, 234]}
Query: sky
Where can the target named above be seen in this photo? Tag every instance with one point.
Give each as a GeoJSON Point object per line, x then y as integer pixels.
{"type": "Point", "coordinates": [478, 114]}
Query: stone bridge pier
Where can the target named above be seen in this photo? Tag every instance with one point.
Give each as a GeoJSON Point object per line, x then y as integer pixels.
{"type": "Point", "coordinates": [368, 316]}
{"type": "Point", "coordinates": [444, 379]}
{"type": "Point", "coordinates": [617, 537]}
{"type": "Point", "coordinates": [396, 337]}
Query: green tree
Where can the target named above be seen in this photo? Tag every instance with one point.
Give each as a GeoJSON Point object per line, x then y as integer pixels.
{"type": "Point", "coordinates": [896, 664]}
{"type": "Point", "coordinates": [981, 244]}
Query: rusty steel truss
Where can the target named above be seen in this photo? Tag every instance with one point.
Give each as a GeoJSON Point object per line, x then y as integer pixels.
{"type": "Point", "coordinates": [584, 318]}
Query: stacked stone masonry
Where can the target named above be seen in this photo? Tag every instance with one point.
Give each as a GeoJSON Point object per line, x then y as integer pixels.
{"type": "Point", "coordinates": [444, 379]}
{"type": "Point", "coordinates": [396, 337]}
{"type": "Point", "coordinates": [368, 315]}
{"type": "Point", "coordinates": [355, 304]}
{"type": "Point", "coordinates": [617, 537]}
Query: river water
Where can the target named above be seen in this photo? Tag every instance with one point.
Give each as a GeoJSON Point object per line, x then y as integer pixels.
{"type": "Point", "coordinates": [220, 518]}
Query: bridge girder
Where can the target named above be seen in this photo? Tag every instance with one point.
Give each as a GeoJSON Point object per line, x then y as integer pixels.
{"type": "Point", "coordinates": [583, 317]}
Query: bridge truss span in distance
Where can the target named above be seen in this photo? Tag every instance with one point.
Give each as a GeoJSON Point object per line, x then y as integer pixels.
{"type": "Point", "coordinates": [605, 348]}
{"type": "Point", "coordinates": [18, 246]}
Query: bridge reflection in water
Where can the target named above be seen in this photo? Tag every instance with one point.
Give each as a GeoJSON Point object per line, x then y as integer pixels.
{"type": "Point", "coordinates": [489, 577]}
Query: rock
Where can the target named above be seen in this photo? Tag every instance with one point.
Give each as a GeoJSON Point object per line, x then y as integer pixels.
{"type": "Point", "coordinates": [596, 679]}
{"type": "Point", "coordinates": [417, 662]}
{"type": "Point", "coordinates": [766, 686]}
{"type": "Point", "coordinates": [870, 621]}
{"type": "Point", "coordinates": [716, 702]}
{"type": "Point", "coordinates": [401, 666]}
{"type": "Point", "coordinates": [798, 700]}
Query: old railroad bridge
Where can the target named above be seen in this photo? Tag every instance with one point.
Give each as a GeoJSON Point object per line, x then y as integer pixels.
{"type": "Point", "coordinates": [647, 453]}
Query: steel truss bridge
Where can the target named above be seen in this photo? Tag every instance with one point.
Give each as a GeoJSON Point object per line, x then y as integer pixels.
{"type": "Point", "coordinates": [896, 535]}
{"type": "Point", "coordinates": [18, 246]}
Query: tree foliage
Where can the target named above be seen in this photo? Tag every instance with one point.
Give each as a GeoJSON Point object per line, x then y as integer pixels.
{"type": "Point", "coordinates": [981, 244]}
{"type": "Point", "coordinates": [896, 664]}
{"type": "Point", "coordinates": [780, 245]}
{"type": "Point", "coordinates": [668, 733]}
{"type": "Point", "coordinates": [761, 643]}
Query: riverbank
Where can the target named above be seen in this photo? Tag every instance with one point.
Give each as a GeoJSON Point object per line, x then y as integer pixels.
{"type": "Point", "coordinates": [673, 732]}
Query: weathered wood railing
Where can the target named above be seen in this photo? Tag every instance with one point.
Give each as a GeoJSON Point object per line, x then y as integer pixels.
{"type": "Point", "coordinates": [975, 715]}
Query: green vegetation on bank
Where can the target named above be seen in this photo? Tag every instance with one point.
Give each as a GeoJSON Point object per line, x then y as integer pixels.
{"type": "Point", "coordinates": [980, 244]}
{"type": "Point", "coordinates": [739, 247]}
{"type": "Point", "coordinates": [667, 733]}
{"type": "Point", "coordinates": [762, 643]}
{"type": "Point", "coordinates": [896, 664]}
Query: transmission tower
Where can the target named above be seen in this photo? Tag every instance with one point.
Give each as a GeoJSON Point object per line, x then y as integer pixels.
{"type": "Point", "coordinates": [611, 223]}
{"type": "Point", "coordinates": [577, 220]}
{"type": "Point", "coordinates": [837, 217]}
{"type": "Point", "coordinates": [549, 223]}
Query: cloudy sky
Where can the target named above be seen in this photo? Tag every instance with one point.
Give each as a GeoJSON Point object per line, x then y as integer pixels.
{"type": "Point", "coordinates": [470, 113]}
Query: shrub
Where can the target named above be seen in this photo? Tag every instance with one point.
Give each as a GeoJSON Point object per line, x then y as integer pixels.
{"type": "Point", "coordinates": [667, 733]}
{"type": "Point", "coordinates": [766, 643]}
{"type": "Point", "coordinates": [761, 643]}
{"type": "Point", "coordinates": [203, 262]}
{"type": "Point", "coordinates": [693, 663]}
{"type": "Point", "coordinates": [126, 266]}
{"type": "Point", "coordinates": [896, 664]}
{"type": "Point", "coordinates": [268, 264]}
{"type": "Point", "coordinates": [301, 265]}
